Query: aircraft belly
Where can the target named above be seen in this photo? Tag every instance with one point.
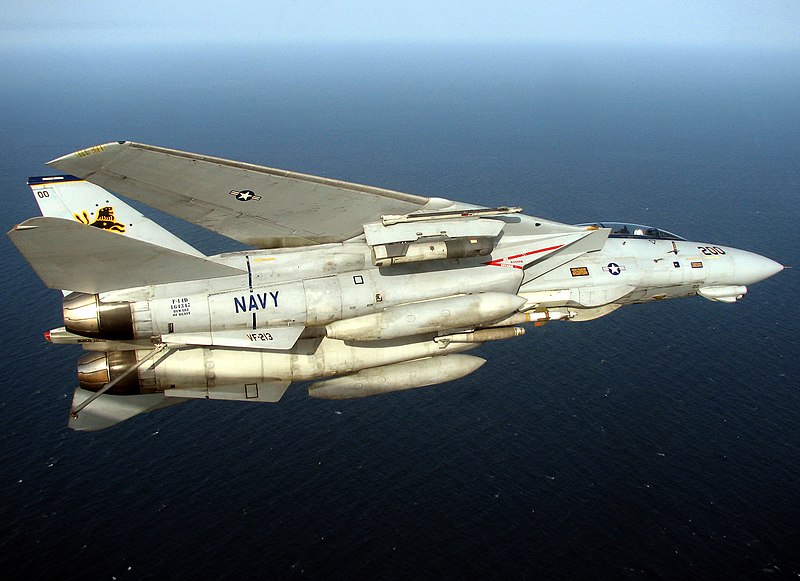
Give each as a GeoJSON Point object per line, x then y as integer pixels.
{"type": "Point", "coordinates": [597, 296]}
{"type": "Point", "coordinates": [259, 391]}
{"type": "Point", "coordinates": [309, 359]}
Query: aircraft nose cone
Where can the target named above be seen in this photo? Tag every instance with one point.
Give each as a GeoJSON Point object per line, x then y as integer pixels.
{"type": "Point", "coordinates": [752, 268]}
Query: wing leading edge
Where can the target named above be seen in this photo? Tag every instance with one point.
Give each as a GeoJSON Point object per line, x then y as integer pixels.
{"type": "Point", "coordinates": [259, 206]}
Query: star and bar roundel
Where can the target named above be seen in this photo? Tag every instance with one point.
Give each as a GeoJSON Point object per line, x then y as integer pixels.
{"type": "Point", "coordinates": [245, 195]}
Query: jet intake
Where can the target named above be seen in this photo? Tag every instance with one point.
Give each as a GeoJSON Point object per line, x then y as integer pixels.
{"type": "Point", "coordinates": [85, 315]}
{"type": "Point", "coordinates": [426, 317]}
{"type": "Point", "coordinates": [405, 252]}
{"type": "Point", "coordinates": [396, 377]}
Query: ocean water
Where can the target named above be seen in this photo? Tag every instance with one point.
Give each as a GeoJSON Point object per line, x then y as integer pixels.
{"type": "Point", "coordinates": [660, 442]}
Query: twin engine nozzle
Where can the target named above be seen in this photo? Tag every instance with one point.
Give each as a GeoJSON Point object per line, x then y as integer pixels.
{"type": "Point", "coordinates": [85, 315]}
{"type": "Point", "coordinates": [97, 368]}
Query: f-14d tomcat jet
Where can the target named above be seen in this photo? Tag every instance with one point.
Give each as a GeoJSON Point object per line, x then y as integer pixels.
{"type": "Point", "coordinates": [356, 289]}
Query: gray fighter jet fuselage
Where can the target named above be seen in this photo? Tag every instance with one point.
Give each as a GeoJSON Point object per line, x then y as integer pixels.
{"type": "Point", "coordinates": [358, 303]}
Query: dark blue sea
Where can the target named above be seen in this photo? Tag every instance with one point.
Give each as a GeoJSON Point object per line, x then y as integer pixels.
{"type": "Point", "coordinates": [659, 442]}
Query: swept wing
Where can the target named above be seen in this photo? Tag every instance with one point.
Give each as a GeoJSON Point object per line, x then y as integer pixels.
{"type": "Point", "coordinates": [259, 206]}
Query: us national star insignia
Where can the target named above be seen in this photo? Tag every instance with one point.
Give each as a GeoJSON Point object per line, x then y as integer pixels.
{"type": "Point", "coordinates": [245, 195]}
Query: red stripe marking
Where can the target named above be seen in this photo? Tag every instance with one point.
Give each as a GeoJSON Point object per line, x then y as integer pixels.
{"type": "Point", "coordinates": [500, 261]}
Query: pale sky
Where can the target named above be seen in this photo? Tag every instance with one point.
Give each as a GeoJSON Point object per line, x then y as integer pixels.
{"type": "Point", "coordinates": [764, 24]}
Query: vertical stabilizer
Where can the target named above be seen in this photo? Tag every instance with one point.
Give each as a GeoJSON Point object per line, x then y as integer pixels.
{"type": "Point", "coordinates": [71, 198]}
{"type": "Point", "coordinates": [108, 410]}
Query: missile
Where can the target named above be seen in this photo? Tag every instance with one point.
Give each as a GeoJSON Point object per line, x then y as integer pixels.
{"type": "Point", "coordinates": [396, 377]}
{"type": "Point", "coordinates": [426, 317]}
{"type": "Point", "coordinates": [481, 335]}
{"type": "Point", "coordinates": [539, 317]}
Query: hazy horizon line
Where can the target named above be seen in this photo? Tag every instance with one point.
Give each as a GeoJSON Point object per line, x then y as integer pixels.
{"type": "Point", "coordinates": [78, 40]}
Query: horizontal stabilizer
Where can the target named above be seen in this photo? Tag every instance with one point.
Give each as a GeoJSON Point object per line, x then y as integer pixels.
{"type": "Point", "coordinates": [108, 410]}
{"type": "Point", "coordinates": [69, 255]}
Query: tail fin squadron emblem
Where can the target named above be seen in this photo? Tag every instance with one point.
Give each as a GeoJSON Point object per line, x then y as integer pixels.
{"type": "Point", "coordinates": [105, 220]}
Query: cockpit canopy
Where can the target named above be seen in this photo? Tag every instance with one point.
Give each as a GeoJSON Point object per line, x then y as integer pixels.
{"type": "Point", "coordinates": [625, 230]}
